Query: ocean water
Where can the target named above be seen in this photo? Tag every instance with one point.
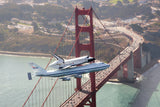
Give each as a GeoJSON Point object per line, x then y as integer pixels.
{"type": "Point", "coordinates": [15, 87]}
{"type": "Point", "coordinates": [116, 95]}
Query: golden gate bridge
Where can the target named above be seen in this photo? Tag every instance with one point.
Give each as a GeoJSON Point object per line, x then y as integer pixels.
{"type": "Point", "coordinates": [80, 92]}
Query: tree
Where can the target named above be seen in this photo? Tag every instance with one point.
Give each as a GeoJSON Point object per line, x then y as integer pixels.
{"type": "Point", "coordinates": [35, 26]}
{"type": "Point", "coordinates": [125, 1]}
{"type": "Point", "coordinates": [119, 3]}
{"type": "Point", "coordinates": [135, 1]}
{"type": "Point", "coordinates": [40, 1]}
{"type": "Point", "coordinates": [158, 12]}
{"type": "Point", "coordinates": [2, 37]}
{"type": "Point", "coordinates": [137, 28]}
{"type": "Point", "coordinates": [50, 12]}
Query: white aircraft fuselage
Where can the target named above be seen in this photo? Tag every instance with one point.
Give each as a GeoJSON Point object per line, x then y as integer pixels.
{"type": "Point", "coordinates": [61, 63]}
{"type": "Point", "coordinates": [93, 67]}
{"type": "Point", "coordinates": [73, 71]}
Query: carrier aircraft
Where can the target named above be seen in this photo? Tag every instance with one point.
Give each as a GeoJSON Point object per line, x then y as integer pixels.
{"type": "Point", "coordinates": [65, 73]}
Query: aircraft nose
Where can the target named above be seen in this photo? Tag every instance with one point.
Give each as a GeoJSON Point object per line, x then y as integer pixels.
{"type": "Point", "coordinates": [91, 59]}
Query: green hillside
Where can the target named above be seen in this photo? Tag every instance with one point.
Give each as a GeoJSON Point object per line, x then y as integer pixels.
{"type": "Point", "coordinates": [115, 1]}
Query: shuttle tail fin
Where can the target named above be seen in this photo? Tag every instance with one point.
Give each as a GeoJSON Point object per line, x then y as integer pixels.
{"type": "Point", "coordinates": [59, 58]}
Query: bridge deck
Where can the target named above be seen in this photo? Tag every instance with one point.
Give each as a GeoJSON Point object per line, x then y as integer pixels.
{"type": "Point", "coordinates": [103, 76]}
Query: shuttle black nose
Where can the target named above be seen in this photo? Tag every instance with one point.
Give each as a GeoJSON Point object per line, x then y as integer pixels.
{"type": "Point", "coordinates": [91, 59]}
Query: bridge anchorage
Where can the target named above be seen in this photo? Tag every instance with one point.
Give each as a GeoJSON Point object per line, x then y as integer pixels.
{"type": "Point", "coordinates": [49, 92]}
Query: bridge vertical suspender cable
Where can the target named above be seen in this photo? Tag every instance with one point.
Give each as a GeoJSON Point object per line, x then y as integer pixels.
{"type": "Point", "coordinates": [49, 61]}
{"type": "Point", "coordinates": [104, 27]}
{"type": "Point", "coordinates": [68, 56]}
{"type": "Point", "coordinates": [52, 57]}
{"type": "Point", "coordinates": [50, 92]}
{"type": "Point", "coordinates": [107, 32]}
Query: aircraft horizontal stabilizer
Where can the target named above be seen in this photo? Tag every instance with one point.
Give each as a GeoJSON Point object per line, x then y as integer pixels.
{"type": "Point", "coordinates": [29, 76]}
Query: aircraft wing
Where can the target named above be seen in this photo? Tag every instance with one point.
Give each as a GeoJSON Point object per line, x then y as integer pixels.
{"type": "Point", "coordinates": [77, 75]}
{"type": "Point", "coordinates": [65, 78]}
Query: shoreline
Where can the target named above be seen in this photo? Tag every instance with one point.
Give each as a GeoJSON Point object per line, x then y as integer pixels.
{"type": "Point", "coordinates": [24, 54]}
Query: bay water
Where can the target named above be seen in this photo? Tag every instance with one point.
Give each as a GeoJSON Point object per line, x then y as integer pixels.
{"type": "Point", "coordinates": [15, 86]}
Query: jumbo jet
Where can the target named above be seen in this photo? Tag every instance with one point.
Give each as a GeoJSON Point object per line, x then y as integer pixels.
{"type": "Point", "coordinates": [65, 74]}
{"type": "Point", "coordinates": [60, 63]}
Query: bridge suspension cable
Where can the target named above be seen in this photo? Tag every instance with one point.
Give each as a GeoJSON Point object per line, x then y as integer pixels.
{"type": "Point", "coordinates": [68, 56]}
{"type": "Point", "coordinates": [43, 93]}
{"type": "Point", "coordinates": [49, 92]}
{"type": "Point", "coordinates": [118, 45]}
{"type": "Point", "coordinates": [49, 62]}
{"type": "Point", "coordinates": [109, 35]}
{"type": "Point", "coordinates": [105, 28]}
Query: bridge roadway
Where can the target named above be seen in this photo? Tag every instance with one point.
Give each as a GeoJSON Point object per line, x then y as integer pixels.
{"type": "Point", "coordinates": [102, 77]}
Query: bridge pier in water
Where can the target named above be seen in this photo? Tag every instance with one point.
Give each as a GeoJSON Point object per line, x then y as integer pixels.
{"type": "Point", "coordinates": [127, 70]}
{"type": "Point", "coordinates": [130, 68]}
{"type": "Point", "coordinates": [120, 73]}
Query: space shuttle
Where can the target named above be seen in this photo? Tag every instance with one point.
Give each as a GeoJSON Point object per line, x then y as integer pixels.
{"type": "Point", "coordinates": [60, 63]}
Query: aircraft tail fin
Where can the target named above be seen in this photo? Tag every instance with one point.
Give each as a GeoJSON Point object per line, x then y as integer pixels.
{"type": "Point", "coordinates": [37, 68]}
{"type": "Point", "coordinates": [59, 58]}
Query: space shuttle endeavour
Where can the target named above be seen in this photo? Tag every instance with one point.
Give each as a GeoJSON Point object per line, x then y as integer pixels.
{"type": "Point", "coordinates": [60, 63]}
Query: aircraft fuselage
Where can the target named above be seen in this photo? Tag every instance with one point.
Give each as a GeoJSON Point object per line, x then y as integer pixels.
{"type": "Point", "coordinates": [93, 67]}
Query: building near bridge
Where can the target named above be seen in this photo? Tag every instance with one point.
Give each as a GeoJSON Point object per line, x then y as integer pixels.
{"type": "Point", "coordinates": [22, 26]}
